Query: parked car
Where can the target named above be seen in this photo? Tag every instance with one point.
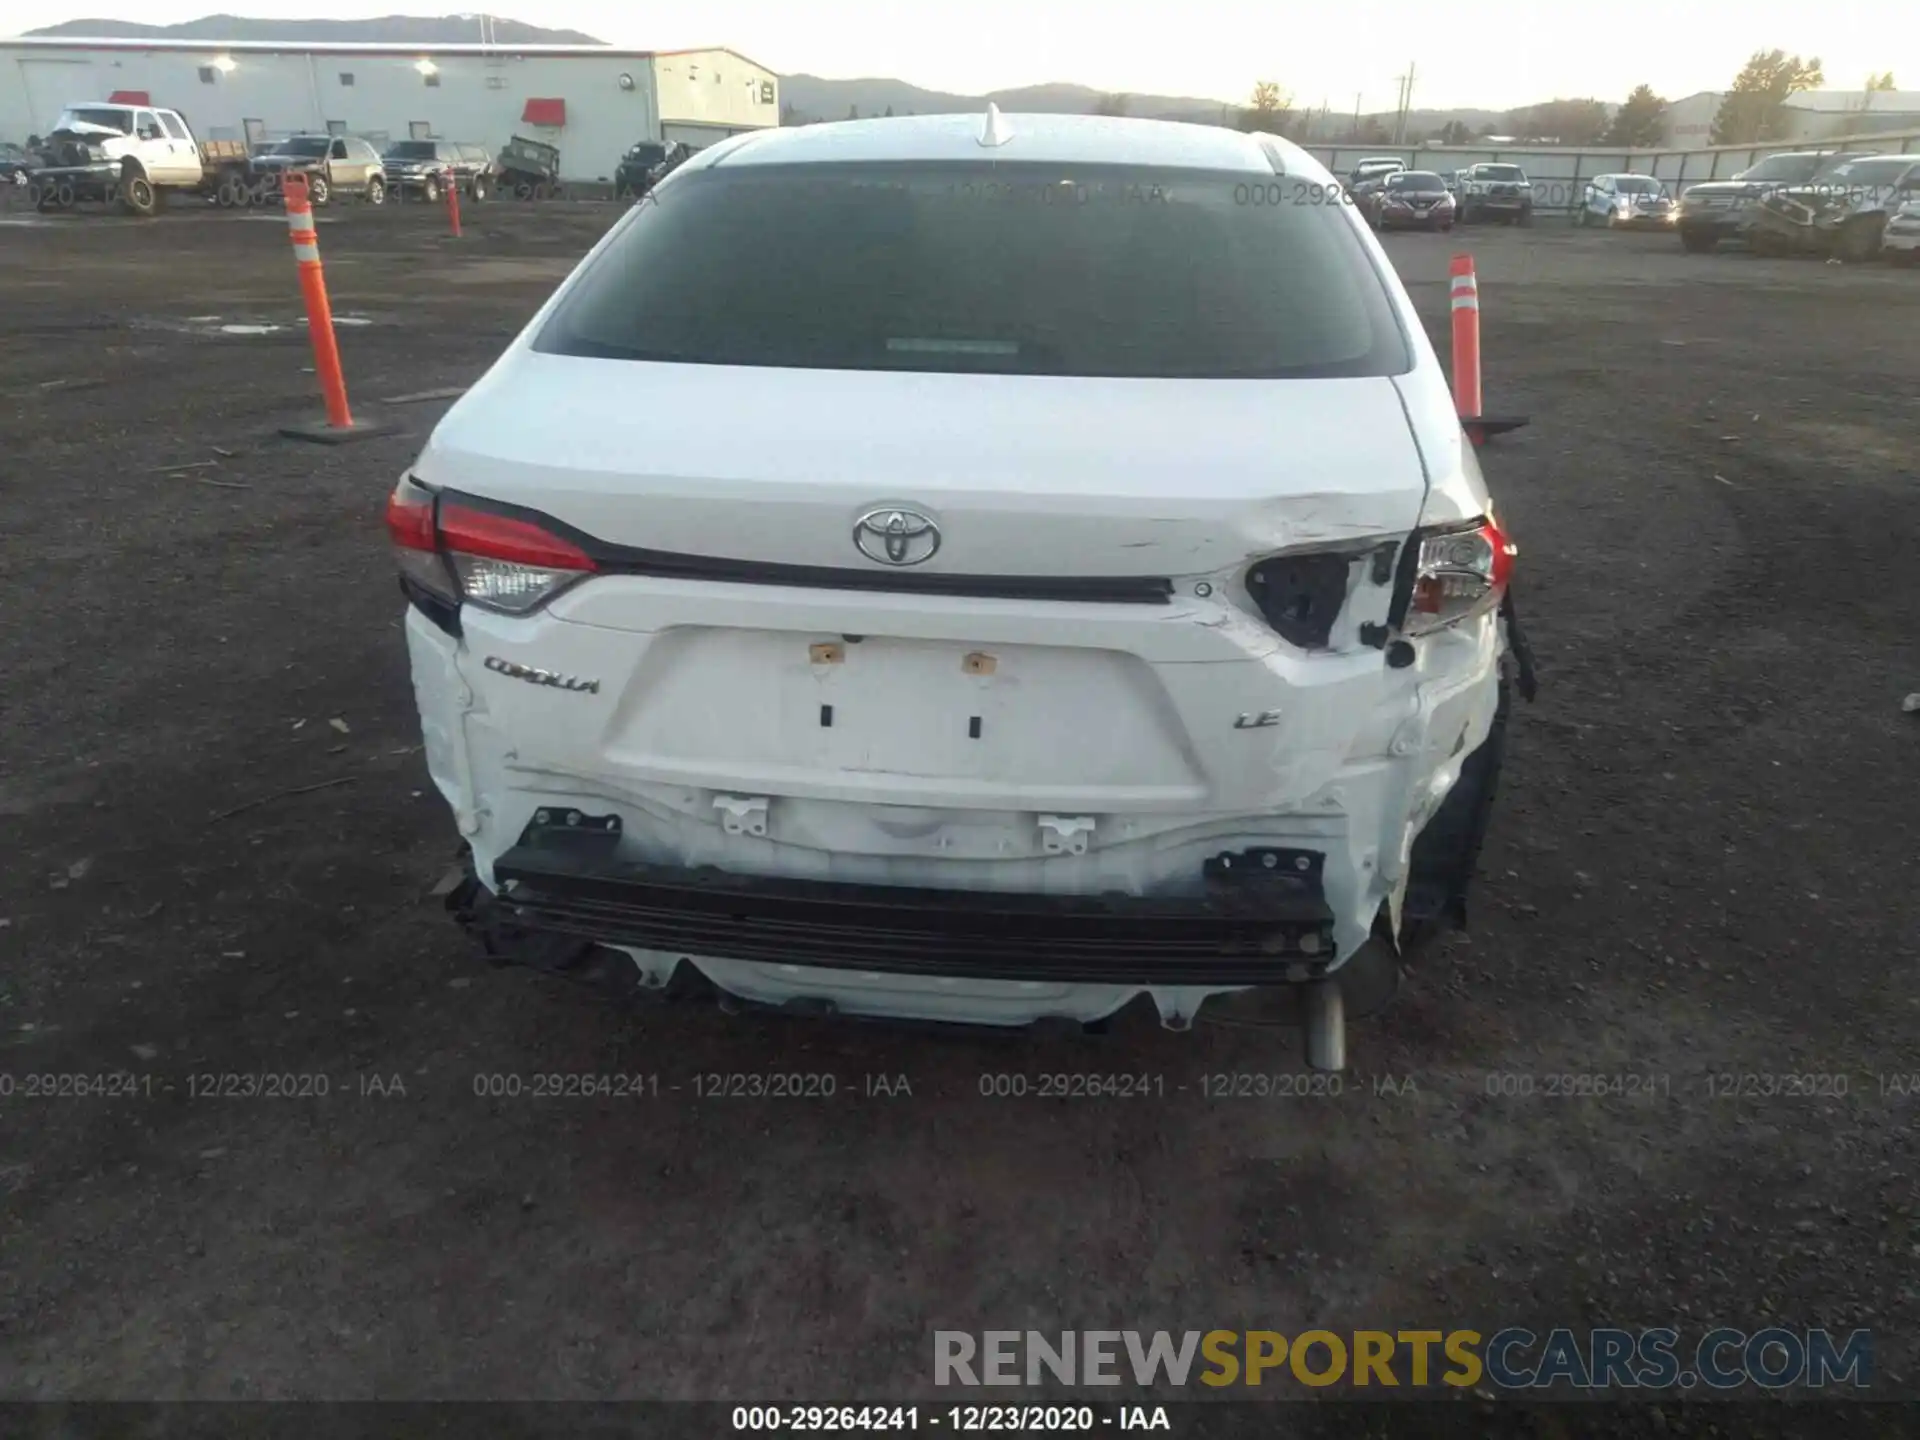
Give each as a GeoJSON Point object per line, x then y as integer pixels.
{"type": "Point", "coordinates": [421, 167]}
{"type": "Point", "coordinates": [1717, 210]}
{"type": "Point", "coordinates": [1491, 191]}
{"type": "Point", "coordinates": [1901, 243]}
{"type": "Point", "coordinates": [941, 716]}
{"type": "Point", "coordinates": [1373, 167]}
{"type": "Point", "coordinates": [1626, 202]}
{"type": "Point", "coordinates": [134, 154]}
{"type": "Point", "coordinates": [334, 165]}
{"type": "Point", "coordinates": [1842, 213]}
{"type": "Point", "coordinates": [1370, 174]}
{"type": "Point", "coordinates": [15, 162]}
{"type": "Point", "coordinates": [1410, 200]}
{"type": "Point", "coordinates": [646, 165]}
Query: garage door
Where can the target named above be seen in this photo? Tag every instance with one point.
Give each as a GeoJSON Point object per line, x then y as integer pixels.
{"type": "Point", "coordinates": [52, 85]}
{"type": "Point", "coordinates": [696, 136]}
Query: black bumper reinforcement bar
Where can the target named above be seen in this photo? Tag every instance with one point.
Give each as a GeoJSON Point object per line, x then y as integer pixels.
{"type": "Point", "coordinates": [1261, 920]}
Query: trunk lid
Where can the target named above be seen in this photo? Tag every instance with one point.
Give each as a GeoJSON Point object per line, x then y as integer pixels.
{"type": "Point", "coordinates": [1023, 475]}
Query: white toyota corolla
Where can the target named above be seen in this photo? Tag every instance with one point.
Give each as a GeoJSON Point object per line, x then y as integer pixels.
{"type": "Point", "coordinates": [967, 568]}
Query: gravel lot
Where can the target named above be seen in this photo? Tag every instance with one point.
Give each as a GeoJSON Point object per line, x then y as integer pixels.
{"type": "Point", "coordinates": [1702, 867]}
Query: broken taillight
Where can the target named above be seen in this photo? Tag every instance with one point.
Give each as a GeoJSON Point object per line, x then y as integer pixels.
{"type": "Point", "coordinates": [1459, 572]}
{"type": "Point", "coordinates": [461, 554]}
{"type": "Point", "coordinates": [410, 527]}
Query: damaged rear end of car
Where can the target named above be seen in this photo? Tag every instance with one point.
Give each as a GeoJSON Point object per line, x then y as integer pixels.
{"type": "Point", "coordinates": [918, 600]}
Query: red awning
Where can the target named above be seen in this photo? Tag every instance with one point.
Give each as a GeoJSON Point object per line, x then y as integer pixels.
{"type": "Point", "coordinates": [129, 97]}
{"type": "Point", "coordinates": [545, 112]}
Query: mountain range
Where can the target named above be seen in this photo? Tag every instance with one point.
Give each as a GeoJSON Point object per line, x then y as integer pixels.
{"type": "Point", "coordinates": [810, 97]}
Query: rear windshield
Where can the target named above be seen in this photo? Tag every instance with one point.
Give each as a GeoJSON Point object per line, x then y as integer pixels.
{"type": "Point", "coordinates": [307, 146]}
{"type": "Point", "coordinates": [413, 150]}
{"type": "Point", "coordinates": [1499, 172]}
{"type": "Point", "coordinates": [974, 267]}
{"type": "Point", "coordinates": [1416, 180]}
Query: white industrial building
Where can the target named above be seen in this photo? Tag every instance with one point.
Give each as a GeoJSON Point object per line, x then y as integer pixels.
{"type": "Point", "coordinates": [1809, 115]}
{"type": "Point", "coordinates": [590, 101]}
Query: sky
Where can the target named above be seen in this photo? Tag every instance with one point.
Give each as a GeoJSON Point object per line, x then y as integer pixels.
{"type": "Point", "coordinates": [1493, 54]}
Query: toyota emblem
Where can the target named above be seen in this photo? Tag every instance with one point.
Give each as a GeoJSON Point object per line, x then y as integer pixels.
{"type": "Point", "coordinates": [893, 535]}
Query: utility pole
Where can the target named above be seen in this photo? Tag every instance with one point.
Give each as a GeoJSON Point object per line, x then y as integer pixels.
{"type": "Point", "coordinates": [1405, 106]}
{"type": "Point", "coordinates": [1356, 115]}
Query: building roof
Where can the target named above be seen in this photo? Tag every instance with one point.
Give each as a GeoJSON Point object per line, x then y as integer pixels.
{"type": "Point", "coordinates": [1065, 139]}
{"type": "Point", "coordinates": [351, 47]}
{"type": "Point", "coordinates": [1891, 101]}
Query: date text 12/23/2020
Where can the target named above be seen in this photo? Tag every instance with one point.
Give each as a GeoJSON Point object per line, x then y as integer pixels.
{"type": "Point", "coordinates": [958, 1419]}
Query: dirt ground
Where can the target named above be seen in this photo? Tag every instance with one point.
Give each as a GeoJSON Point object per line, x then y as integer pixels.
{"type": "Point", "coordinates": [1703, 866]}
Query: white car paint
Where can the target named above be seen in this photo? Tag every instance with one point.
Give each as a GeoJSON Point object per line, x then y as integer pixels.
{"type": "Point", "coordinates": [1901, 241]}
{"type": "Point", "coordinates": [1121, 713]}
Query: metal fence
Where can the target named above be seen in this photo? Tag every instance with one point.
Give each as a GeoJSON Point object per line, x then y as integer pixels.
{"type": "Point", "coordinates": [1559, 173]}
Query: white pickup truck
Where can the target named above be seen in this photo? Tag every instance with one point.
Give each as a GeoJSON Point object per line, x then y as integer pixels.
{"type": "Point", "coordinates": [101, 150]}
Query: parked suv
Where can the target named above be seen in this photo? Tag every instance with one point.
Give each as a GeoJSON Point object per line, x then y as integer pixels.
{"type": "Point", "coordinates": [1494, 192]}
{"type": "Point", "coordinates": [646, 164]}
{"type": "Point", "coordinates": [1716, 210]}
{"type": "Point", "coordinates": [1122, 650]}
{"type": "Point", "coordinates": [1626, 201]}
{"type": "Point", "coordinates": [1843, 213]}
{"type": "Point", "coordinates": [421, 167]}
{"type": "Point", "coordinates": [333, 164]}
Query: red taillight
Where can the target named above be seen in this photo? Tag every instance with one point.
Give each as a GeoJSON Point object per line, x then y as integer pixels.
{"type": "Point", "coordinates": [409, 521]}
{"type": "Point", "coordinates": [498, 537]}
{"type": "Point", "coordinates": [1460, 572]}
{"type": "Point", "coordinates": [463, 554]}
{"type": "Point", "coordinates": [1505, 552]}
{"type": "Point", "coordinates": [410, 527]}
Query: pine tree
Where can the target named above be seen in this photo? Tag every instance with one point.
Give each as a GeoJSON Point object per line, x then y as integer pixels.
{"type": "Point", "coordinates": [1636, 124]}
{"type": "Point", "coordinates": [1753, 110]}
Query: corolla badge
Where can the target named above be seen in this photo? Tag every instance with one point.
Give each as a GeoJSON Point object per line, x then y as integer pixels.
{"type": "Point", "coordinates": [894, 535]}
{"type": "Point", "coordinates": [542, 677]}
